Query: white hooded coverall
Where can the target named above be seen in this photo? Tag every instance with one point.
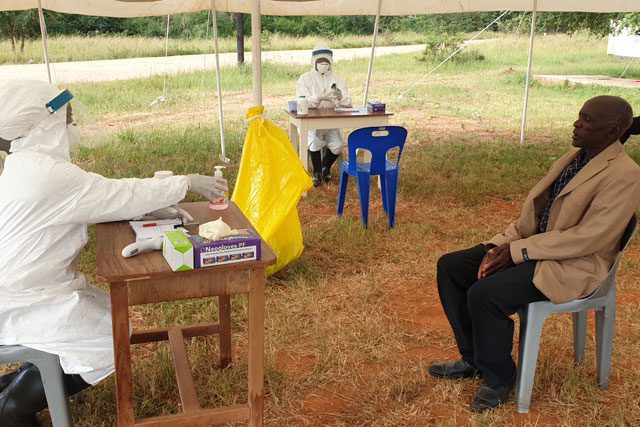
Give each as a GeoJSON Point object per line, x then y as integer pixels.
{"type": "Point", "coordinates": [312, 84]}
{"type": "Point", "coordinates": [46, 203]}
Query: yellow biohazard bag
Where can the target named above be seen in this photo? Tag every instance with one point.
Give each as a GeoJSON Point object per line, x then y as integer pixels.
{"type": "Point", "coordinates": [270, 182]}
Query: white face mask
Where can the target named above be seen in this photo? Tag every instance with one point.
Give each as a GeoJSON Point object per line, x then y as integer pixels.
{"type": "Point", "coordinates": [323, 67]}
{"type": "Point", "coordinates": [73, 133]}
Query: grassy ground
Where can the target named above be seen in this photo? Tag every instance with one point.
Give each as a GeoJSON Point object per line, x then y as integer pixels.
{"type": "Point", "coordinates": [351, 325]}
{"type": "Point", "coordinates": [79, 48]}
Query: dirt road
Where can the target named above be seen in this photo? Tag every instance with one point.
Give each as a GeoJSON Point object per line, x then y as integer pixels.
{"type": "Point", "coordinates": [123, 69]}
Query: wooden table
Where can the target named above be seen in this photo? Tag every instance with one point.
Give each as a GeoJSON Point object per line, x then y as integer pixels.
{"type": "Point", "coordinates": [328, 118]}
{"type": "Point", "coordinates": [147, 278]}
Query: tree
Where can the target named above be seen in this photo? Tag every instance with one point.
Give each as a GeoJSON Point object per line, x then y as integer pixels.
{"type": "Point", "coordinates": [240, 37]}
{"type": "Point", "coordinates": [19, 26]}
{"type": "Point", "coordinates": [631, 21]}
{"type": "Point", "coordinates": [600, 24]}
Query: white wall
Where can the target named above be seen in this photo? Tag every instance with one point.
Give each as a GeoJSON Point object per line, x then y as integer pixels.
{"type": "Point", "coordinates": [625, 44]}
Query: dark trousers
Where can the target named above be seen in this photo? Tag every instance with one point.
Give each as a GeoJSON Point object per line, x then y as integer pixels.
{"type": "Point", "coordinates": [479, 310]}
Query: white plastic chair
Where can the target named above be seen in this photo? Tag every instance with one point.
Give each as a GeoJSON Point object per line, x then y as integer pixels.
{"type": "Point", "coordinates": [52, 378]}
{"type": "Point", "coordinates": [603, 301]}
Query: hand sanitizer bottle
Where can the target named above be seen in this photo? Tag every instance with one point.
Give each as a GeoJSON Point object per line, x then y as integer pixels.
{"type": "Point", "coordinates": [219, 202]}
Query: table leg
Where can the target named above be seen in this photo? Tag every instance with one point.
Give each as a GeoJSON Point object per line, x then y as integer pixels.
{"type": "Point", "coordinates": [122, 353]}
{"type": "Point", "coordinates": [256, 347]}
{"type": "Point", "coordinates": [293, 136]}
{"type": "Point", "coordinates": [224, 320]}
{"type": "Point", "coordinates": [304, 145]}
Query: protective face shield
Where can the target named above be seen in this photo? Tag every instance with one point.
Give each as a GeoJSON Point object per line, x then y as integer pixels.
{"type": "Point", "coordinates": [28, 105]}
{"type": "Point", "coordinates": [35, 115]}
{"type": "Point", "coordinates": [323, 66]}
{"type": "Point", "coordinates": [84, 130]}
{"type": "Point", "coordinates": [73, 133]}
{"type": "Point", "coordinates": [321, 53]}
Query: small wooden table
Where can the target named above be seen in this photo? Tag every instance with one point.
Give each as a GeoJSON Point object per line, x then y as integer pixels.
{"type": "Point", "coordinates": [147, 278]}
{"type": "Point", "coordinates": [328, 118]}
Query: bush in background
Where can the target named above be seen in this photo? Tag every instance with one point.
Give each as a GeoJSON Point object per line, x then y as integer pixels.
{"type": "Point", "coordinates": [440, 47]}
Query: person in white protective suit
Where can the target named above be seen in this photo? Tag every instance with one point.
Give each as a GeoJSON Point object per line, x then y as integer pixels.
{"type": "Point", "coordinates": [324, 89]}
{"type": "Point", "coordinates": [46, 203]}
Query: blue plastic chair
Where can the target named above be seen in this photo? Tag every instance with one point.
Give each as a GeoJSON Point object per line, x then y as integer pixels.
{"type": "Point", "coordinates": [378, 141]}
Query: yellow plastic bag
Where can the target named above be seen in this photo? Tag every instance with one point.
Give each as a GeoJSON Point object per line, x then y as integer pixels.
{"type": "Point", "coordinates": [270, 182]}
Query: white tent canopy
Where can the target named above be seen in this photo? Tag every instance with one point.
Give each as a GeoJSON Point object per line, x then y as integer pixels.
{"type": "Point", "coordinates": [133, 8]}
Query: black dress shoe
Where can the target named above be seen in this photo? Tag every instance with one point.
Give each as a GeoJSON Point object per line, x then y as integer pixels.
{"type": "Point", "coordinates": [489, 398]}
{"type": "Point", "coordinates": [454, 369]}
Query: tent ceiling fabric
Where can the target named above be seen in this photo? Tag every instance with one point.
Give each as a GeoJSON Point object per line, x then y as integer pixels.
{"type": "Point", "coordinates": [134, 8]}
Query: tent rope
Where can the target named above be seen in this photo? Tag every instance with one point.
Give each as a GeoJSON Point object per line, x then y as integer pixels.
{"type": "Point", "coordinates": [161, 98]}
{"type": "Point", "coordinates": [623, 73]}
{"type": "Point", "coordinates": [520, 22]}
{"type": "Point", "coordinates": [401, 96]}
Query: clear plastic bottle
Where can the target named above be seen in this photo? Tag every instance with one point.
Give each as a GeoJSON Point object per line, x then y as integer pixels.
{"type": "Point", "coordinates": [219, 202]}
{"type": "Point", "coordinates": [302, 107]}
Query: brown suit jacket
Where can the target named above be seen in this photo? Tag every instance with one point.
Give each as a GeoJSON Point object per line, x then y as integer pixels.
{"type": "Point", "coordinates": [585, 225]}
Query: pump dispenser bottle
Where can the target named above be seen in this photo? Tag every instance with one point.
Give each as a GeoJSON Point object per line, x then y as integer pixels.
{"type": "Point", "coordinates": [220, 202]}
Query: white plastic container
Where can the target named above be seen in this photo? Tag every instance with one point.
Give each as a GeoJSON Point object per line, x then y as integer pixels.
{"type": "Point", "coordinates": [302, 107]}
{"type": "Point", "coordinates": [220, 202]}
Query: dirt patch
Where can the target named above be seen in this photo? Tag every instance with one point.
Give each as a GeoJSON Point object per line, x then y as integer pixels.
{"type": "Point", "coordinates": [416, 309]}
{"type": "Point", "coordinates": [506, 208]}
{"type": "Point", "coordinates": [294, 363]}
{"type": "Point", "coordinates": [629, 298]}
{"type": "Point", "coordinates": [427, 353]}
{"type": "Point", "coordinates": [534, 417]}
{"type": "Point", "coordinates": [447, 128]}
{"type": "Point", "coordinates": [325, 406]}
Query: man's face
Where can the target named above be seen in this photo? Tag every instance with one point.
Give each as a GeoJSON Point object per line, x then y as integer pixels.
{"type": "Point", "coordinates": [594, 128]}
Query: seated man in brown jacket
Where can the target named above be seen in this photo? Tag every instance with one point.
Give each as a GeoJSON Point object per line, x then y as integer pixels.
{"type": "Point", "coordinates": [559, 249]}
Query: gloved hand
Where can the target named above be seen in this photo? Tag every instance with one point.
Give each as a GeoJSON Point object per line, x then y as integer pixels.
{"type": "Point", "coordinates": [207, 186]}
{"type": "Point", "coordinates": [326, 95]}
{"type": "Point", "coordinates": [634, 129]}
{"type": "Point", "coordinates": [168, 213]}
{"type": "Point", "coordinates": [337, 94]}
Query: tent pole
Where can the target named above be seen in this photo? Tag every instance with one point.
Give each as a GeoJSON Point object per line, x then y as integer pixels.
{"type": "Point", "coordinates": [256, 52]}
{"type": "Point", "coordinates": [214, 23]}
{"type": "Point", "coordinates": [43, 32]}
{"type": "Point", "coordinates": [373, 51]}
{"type": "Point", "coordinates": [526, 84]}
{"type": "Point", "coordinates": [166, 54]}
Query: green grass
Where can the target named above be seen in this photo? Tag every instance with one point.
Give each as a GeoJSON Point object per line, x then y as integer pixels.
{"type": "Point", "coordinates": [89, 48]}
{"type": "Point", "coordinates": [489, 92]}
{"type": "Point", "coordinates": [351, 325]}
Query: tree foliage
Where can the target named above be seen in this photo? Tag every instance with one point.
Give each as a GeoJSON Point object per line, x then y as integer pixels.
{"type": "Point", "coordinates": [600, 24]}
{"type": "Point", "coordinates": [19, 26]}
